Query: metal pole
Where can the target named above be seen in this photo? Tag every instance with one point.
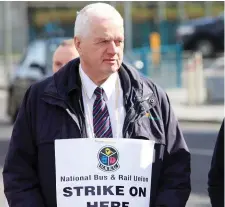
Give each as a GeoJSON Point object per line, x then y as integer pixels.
{"type": "Point", "coordinates": [181, 11]}
{"type": "Point", "coordinates": [128, 25]}
{"type": "Point", "coordinates": [7, 38]}
{"type": "Point", "coordinates": [113, 3]}
{"type": "Point", "coordinates": [161, 10]}
{"type": "Point", "coordinates": [208, 8]}
{"type": "Point", "coordinates": [161, 18]}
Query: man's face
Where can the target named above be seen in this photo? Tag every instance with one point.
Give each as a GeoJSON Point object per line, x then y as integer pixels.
{"type": "Point", "coordinates": [62, 56]}
{"type": "Point", "coordinates": [102, 49]}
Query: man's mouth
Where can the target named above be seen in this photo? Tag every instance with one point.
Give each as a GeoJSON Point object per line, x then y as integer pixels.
{"type": "Point", "coordinates": [109, 59]}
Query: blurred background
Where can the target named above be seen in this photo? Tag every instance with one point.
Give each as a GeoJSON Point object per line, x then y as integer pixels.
{"type": "Point", "coordinates": [179, 45]}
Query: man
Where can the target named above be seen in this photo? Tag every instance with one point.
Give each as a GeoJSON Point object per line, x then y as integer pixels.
{"type": "Point", "coordinates": [63, 54]}
{"type": "Point", "coordinates": [66, 105]}
{"type": "Point", "coordinates": [216, 172]}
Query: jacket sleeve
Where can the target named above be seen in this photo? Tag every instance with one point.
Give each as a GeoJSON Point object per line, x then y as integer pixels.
{"type": "Point", "coordinates": [175, 185]}
{"type": "Point", "coordinates": [20, 168]}
{"type": "Point", "coordinates": [216, 172]}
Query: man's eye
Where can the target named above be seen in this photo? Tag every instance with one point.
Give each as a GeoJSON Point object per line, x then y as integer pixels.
{"type": "Point", "coordinates": [118, 42]}
{"type": "Point", "coordinates": [58, 64]}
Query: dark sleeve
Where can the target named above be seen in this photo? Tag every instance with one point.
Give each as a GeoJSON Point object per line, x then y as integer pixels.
{"type": "Point", "coordinates": [19, 172]}
{"type": "Point", "coordinates": [175, 185]}
{"type": "Point", "coordinates": [216, 172]}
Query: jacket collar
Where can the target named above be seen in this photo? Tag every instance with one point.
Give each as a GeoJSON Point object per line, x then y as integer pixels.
{"type": "Point", "coordinates": [67, 80]}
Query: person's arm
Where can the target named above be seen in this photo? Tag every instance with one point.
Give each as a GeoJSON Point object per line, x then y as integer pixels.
{"type": "Point", "coordinates": [21, 185]}
{"type": "Point", "coordinates": [216, 172]}
{"type": "Point", "coordinates": [175, 185]}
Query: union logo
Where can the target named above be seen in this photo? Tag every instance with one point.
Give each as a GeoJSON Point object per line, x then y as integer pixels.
{"type": "Point", "coordinates": [108, 158]}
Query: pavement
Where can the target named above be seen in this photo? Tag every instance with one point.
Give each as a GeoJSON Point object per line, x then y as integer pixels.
{"type": "Point", "coordinates": [194, 113]}
{"type": "Point", "coordinates": [3, 82]}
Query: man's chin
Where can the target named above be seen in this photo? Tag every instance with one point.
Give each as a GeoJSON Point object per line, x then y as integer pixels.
{"type": "Point", "coordinates": [113, 68]}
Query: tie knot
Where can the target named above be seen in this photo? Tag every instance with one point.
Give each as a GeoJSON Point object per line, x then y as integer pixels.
{"type": "Point", "coordinates": [99, 92]}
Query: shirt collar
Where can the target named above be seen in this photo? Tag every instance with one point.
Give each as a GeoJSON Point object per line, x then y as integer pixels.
{"type": "Point", "coordinates": [90, 86]}
{"type": "Point", "coordinates": [109, 85]}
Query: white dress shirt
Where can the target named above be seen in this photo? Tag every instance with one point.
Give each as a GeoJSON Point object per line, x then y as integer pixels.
{"type": "Point", "coordinates": [114, 100]}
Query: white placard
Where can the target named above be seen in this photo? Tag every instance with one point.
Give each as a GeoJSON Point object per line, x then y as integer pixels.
{"type": "Point", "coordinates": [103, 172]}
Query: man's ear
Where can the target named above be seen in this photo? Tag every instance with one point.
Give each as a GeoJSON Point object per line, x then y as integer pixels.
{"type": "Point", "coordinates": [77, 43]}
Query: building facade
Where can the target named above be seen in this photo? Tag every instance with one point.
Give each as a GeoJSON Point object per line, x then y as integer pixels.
{"type": "Point", "coordinates": [33, 19]}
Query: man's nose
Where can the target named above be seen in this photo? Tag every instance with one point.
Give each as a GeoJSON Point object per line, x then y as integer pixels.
{"type": "Point", "coordinates": [112, 48]}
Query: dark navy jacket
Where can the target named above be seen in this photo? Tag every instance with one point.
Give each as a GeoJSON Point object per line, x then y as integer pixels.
{"type": "Point", "coordinates": [53, 109]}
{"type": "Point", "coordinates": [216, 172]}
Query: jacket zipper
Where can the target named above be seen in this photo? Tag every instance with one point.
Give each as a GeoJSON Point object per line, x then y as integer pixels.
{"type": "Point", "coordinates": [83, 117]}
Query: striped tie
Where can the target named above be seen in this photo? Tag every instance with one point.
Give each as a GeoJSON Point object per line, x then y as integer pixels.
{"type": "Point", "coordinates": [101, 119]}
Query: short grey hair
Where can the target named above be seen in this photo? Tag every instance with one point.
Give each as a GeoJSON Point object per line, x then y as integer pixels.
{"type": "Point", "coordinates": [83, 19]}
